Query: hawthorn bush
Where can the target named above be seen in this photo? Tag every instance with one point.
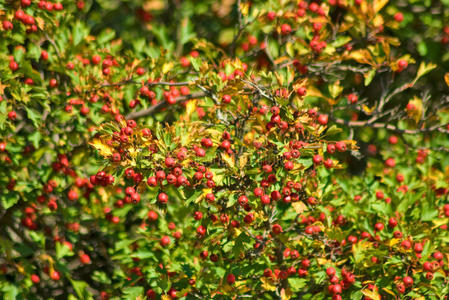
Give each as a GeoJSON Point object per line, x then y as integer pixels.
{"type": "Point", "coordinates": [224, 149]}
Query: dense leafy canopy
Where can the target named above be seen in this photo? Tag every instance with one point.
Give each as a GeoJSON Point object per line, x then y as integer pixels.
{"type": "Point", "coordinates": [225, 149]}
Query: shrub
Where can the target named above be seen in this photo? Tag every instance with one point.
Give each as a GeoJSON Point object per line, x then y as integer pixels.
{"type": "Point", "coordinates": [223, 150]}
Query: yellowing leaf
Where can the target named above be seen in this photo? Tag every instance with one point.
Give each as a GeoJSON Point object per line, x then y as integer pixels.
{"type": "Point", "coordinates": [323, 261]}
{"type": "Point", "coordinates": [286, 294]}
{"type": "Point", "coordinates": [371, 294]}
{"type": "Point", "coordinates": [335, 89]}
{"type": "Point", "coordinates": [389, 292]}
{"type": "Point", "coordinates": [244, 8]}
{"type": "Point", "coordinates": [424, 69]}
{"type": "Point", "coordinates": [243, 160]}
{"type": "Point", "coordinates": [378, 5]}
{"type": "Point", "coordinates": [167, 67]}
{"type": "Point", "coordinates": [103, 194]}
{"type": "Point", "coordinates": [190, 109]}
{"type": "Point", "coordinates": [165, 297]}
{"type": "Point", "coordinates": [439, 222]}
{"type": "Point", "coordinates": [362, 56]}
{"type": "Point", "coordinates": [103, 149]}
{"type": "Point", "coordinates": [149, 5]}
{"type": "Point", "coordinates": [416, 113]}
{"type": "Point", "coordinates": [378, 21]}
{"type": "Point", "coordinates": [230, 160]}
{"type": "Point", "coordinates": [40, 23]}
{"type": "Point", "coordinates": [299, 207]}
{"type": "Point", "coordinates": [393, 242]}
{"type": "Point", "coordinates": [368, 110]}
{"type": "Point", "coordinates": [268, 284]}
{"type": "Point", "coordinates": [446, 78]}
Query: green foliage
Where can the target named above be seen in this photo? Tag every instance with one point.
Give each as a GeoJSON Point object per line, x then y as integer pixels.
{"type": "Point", "coordinates": [224, 149]}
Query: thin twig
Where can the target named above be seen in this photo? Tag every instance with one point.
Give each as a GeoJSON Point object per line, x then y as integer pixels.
{"type": "Point", "coordinates": [163, 104]}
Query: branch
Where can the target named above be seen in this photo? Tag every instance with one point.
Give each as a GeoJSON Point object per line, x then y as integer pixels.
{"type": "Point", "coordinates": [52, 42]}
{"type": "Point", "coordinates": [389, 126]}
{"type": "Point", "coordinates": [163, 104]}
{"type": "Point", "coordinates": [240, 29]}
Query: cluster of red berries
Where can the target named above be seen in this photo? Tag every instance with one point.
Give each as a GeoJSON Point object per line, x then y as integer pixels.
{"type": "Point", "coordinates": [101, 178]}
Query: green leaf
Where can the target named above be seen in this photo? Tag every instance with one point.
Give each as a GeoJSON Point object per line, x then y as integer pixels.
{"type": "Point", "coordinates": [333, 130]}
{"type": "Point", "coordinates": [34, 51]}
{"type": "Point", "coordinates": [80, 288]}
{"type": "Point", "coordinates": [10, 292]}
{"type": "Point", "coordinates": [369, 76]}
{"type": "Point", "coordinates": [34, 116]}
{"type": "Point", "coordinates": [231, 200]}
{"type": "Point", "coordinates": [35, 138]}
{"type": "Point", "coordinates": [79, 33]}
{"type": "Point", "coordinates": [132, 293]}
{"type": "Point", "coordinates": [101, 277]}
{"type": "Point", "coordinates": [105, 36]}
{"type": "Point", "coordinates": [428, 212]}
{"type": "Point", "coordinates": [2, 115]}
{"type": "Point", "coordinates": [425, 68]}
{"type": "Point", "coordinates": [194, 196]}
{"type": "Point", "coordinates": [62, 250]}
{"type": "Point", "coordinates": [296, 284]}
{"type": "Point", "coordinates": [8, 200]}
{"type": "Point", "coordinates": [186, 33]}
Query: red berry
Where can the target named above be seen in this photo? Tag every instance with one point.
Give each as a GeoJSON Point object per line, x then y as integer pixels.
{"type": "Point", "coordinates": [230, 278]}
{"type": "Point", "coordinates": [226, 99]}
{"type": "Point", "coordinates": [55, 275]}
{"type": "Point", "coordinates": [352, 98]}
{"type": "Point", "coordinates": [35, 278]}
{"type": "Point", "coordinates": [286, 29]}
{"type": "Point", "coordinates": [399, 17]}
{"type": "Point", "coordinates": [165, 241]}
{"type": "Point", "coordinates": [7, 25]}
{"type": "Point", "coordinates": [323, 119]}
{"type": "Point", "coordinates": [408, 281]}
{"type": "Point", "coordinates": [162, 198]}
{"type": "Point", "coordinates": [330, 271]}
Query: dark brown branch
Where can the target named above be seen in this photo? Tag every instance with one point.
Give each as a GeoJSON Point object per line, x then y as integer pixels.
{"type": "Point", "coordinates": [163, 104]}
{"type": "Point", "coordinates": [388, 126]}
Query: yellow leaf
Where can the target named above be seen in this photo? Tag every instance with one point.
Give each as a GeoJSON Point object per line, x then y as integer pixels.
{"type": "Point", "coordinates": [446, 78]}
{"type": "Point", "coordinates": [286, 294]}
{"type": "Point", "coordinates": [104, 196]}
{"type": "Point", "coordinates": [335, 89]}
{"type": "Point", "coordinates": [203, 195]}
{"type": "Point", "coordinates": [439, 222]}
{"type": "Point", "coordinates": [374, 295]}
{"type": "Point", "coordinates": [165, 297]}
{"type": "Point", "coordinates": [299, 207]}
{"type": "Point", "coordinates": [378, 21]}
{"type": "Point", "coordinates": [104, 149]}
{"type": "Point", "coordinates": [153, 5]}
{"type": "Point", "coordinates": [389, 292]}
{"type": "Point", "coordinates": [378, 5]}
{"type": "Point", "coordinates": [2, 88]}
{"type": "Point", "coordinates": [425, 68]}
{"type": "Point", "coordinates": [368, 110]}
{"type": "Point", "coordinates": [40, 23]}
{"type": "Point", "coordinates": [393, 242]}
{"type": "Point", "coordinates": [230, 160]}
{"type": "Point", "coordinates": [416, 113]}
{"type": "Point", "coordinates": [362, 56]}
{"type": "Point", "coordinates": [268, 284]}
{"type": "Point", "coordinates": [244, 8]}
{"type": "Point", "coordinates": [167, 67]}
{"type": "Point", "coordinates": [190, 109]}
{"type": "Point", "coordinates": [243, 160]}
{"type": "Point", "coordinates": [323, 261]}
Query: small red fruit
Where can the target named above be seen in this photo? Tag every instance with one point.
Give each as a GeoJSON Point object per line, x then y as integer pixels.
{"type": "Point", "coordinates": [230, 278]}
